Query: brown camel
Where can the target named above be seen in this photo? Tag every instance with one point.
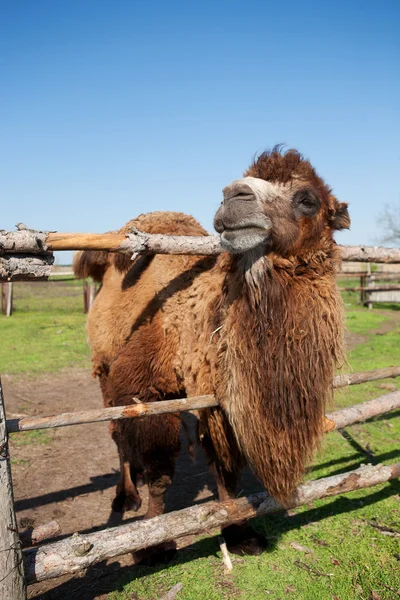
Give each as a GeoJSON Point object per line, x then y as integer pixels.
{"type": "Point", "coordinates": [261, 327]}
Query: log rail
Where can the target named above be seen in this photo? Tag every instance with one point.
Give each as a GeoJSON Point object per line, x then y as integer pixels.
{"type": "Point", "coordinates": [335, 420]}
{"type": "Point", "coordinates": [136, 242]}
{"type": "Point", "coordinates": [79, 552]}
{"type": "Point", "coordinates": [27, 254]}
{"type": "Point", "coordinates": [380, 288]}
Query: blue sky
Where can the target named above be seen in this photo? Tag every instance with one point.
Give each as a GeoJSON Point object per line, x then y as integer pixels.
{"type": "Point", "coordinates": [112, 108]}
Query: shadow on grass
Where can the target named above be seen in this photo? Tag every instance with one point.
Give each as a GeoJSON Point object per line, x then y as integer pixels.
{"type": "Point", "coordinates": [276, 525]}
{"type": "Point", "coordinates": [336, 461]}
{"type": "Point", "coordinates": [385, 306]}
{"type": "Point", "coordinates": [102, 578]}
{"type": "Point", "coordinates": [386, 417]}
{"type": "Point", "coordinates": [360, 459]}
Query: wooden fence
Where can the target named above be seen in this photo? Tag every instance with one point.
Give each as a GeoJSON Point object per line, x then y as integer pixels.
{"type": "Point", "coordinates": [89, 289]}
{"type": "Point", "coordinates": [26, 255]}
{"type": "Point", "coordinates": [375, 286]}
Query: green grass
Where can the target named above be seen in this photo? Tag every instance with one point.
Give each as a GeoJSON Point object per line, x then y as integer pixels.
{"type": "Point", "coordinates": [24, 462]}
{"type": "Point", "coordinates": [46, 331]}
{"type": "Point", "coordinates": [37, 436]}
{"type": "Point", "coordinates": [349, 559]}
{"type": "Point", "coordinates": [361, 320]}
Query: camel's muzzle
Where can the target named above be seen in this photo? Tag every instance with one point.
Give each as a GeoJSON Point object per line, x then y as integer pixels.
{"type": "Point", "coordinates": [240, 219]}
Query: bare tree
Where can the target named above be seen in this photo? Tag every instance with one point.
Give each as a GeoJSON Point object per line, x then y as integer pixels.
{"type": "Point", "coordinates": [389, 222]}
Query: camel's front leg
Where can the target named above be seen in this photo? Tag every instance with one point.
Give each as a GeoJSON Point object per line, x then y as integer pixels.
{"type": "Point", "coordinates": [225, 463]}
{"type": "Point", "coordinates": [158, 447]}
{"type": "Point", "coordinates": [127, 496]}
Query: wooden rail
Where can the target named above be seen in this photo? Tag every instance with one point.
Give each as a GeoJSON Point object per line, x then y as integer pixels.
{"type": "Point", "coordinates": [380, 288]}
{"type": "Point", "coordinates": [335, 420]}
{"type": "Point", "coordinates": [140, 409]}
{"type": "Point", "coordinates": [378, 275]}
{"type": "Point", "coordinates": [25, 267]}
{"type": "Point", "coordinates": [365, 376]}
{"type": "Point", "coordinates": [78, 552]}
{"type": "Point", "coordinates": [364, 411]}
{"type": "Point", "coordinates": [28, 241]}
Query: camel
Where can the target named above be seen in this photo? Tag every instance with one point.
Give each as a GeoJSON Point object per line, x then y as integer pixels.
{"type": "Point", "coordinates": [260, 327]}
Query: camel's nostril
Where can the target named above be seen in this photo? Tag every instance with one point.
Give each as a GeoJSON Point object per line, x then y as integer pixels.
{"type": "Point", "coordinates": [218, 224]}
{"type": "Point", "coordinates": [238, 190]}
{"type": "Point", "coordinates": [242, 196]}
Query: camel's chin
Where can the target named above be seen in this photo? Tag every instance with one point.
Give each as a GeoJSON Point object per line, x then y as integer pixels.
{"type": "Point", "coordinates": [238, 241]}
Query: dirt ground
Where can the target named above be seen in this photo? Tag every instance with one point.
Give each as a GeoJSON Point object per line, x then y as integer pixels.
{"type": "Point", "coordinates": [391, 322]}
{"type": "Point", "coordinates": [69, 474]}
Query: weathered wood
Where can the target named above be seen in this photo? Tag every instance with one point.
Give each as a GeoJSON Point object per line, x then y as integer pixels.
{"type": "Point", "coordinates": [12, 582]}
{"type": "Point", "coordinates": [381, 288]}
{"type": "Point", "coordinates": [144, 243]}
{"type": "Point", "coordinates": [7, 293]}
{"type": "Point", "coordinates": [379, 275]}
{"type": "Point", "coordinates": [31, 537]}
{"type": "Point", "coordinates": [24, 240]}
{"type": "Point", "coordinates": [81, 551]}
{"type": "Point", "coordinates": [378, 296]}
{"type": "Point", "coordinates": [370, 254]}
{"type": "Point", "coordinates": [386, 276]}
{"type": "Point", "coordinates": [141, 243]}
{"type": "Point", "coordinates": [134, 243]}
{"type": "Point", "coordinates": [137, 242]}
{"type": "Point", "coordinates": [361, 412]}
{"type": "Point", "coordinates": [37, 242]}
{"type": "Point", "coordinates": [25, 267]}
{"type": "Point", "coordinates": [86, 241]}
{"type": "Point", "coordinates": [363, 377]}
{"type": "Point", "coordinates": [140, 409]}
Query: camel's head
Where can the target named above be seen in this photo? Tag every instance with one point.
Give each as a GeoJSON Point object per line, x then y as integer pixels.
{"type": "Point", "coordinates": [281, 204]}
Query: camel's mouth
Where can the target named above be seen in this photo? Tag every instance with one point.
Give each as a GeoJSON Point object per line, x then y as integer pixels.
{"type": "Point", "coordinates": [244, 238]}
{"type": "Point", "coordinates": [240, 219]}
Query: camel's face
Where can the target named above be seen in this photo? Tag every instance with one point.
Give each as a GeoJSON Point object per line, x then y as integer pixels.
{"type": "Point", "coordinates": [278, 216]}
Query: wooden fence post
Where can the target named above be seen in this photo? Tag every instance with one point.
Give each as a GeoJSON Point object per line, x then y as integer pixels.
{"type": "Point", "coordinates": [85, 297]}
{"type": "Point", "coordinates": [370, 282]}
{"type": "Point", "coordinates": [363, 294]}
{"type": "Point", "coordinates": [7, 298]}
{"type": "Point", "coordinates": [12, 580]}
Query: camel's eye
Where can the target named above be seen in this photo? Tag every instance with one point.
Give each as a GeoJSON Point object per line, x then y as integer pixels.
{"type": "Point", "coordinates": [306, 203]}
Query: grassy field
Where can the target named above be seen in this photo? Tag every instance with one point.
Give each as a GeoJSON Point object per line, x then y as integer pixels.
{"type": "Point", "coordinates": [46, 331]}
{"type": "Point", "coordinates": [351, 548]}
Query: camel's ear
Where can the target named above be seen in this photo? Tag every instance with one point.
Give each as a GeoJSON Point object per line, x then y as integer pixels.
{"type": "Point", "coordinates": [341, 217]}
{"type": "Point", "coordinates": [91, 263]}
{"type": "Point", "coordinates": [122, 262]}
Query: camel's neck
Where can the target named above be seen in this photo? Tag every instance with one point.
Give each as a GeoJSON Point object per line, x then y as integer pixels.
{"type": "Point", "coordinates": [281, 337]}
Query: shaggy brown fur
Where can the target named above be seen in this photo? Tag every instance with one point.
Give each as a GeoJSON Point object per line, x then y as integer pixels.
{"type": "Point", "coordinates": [262, 331]}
